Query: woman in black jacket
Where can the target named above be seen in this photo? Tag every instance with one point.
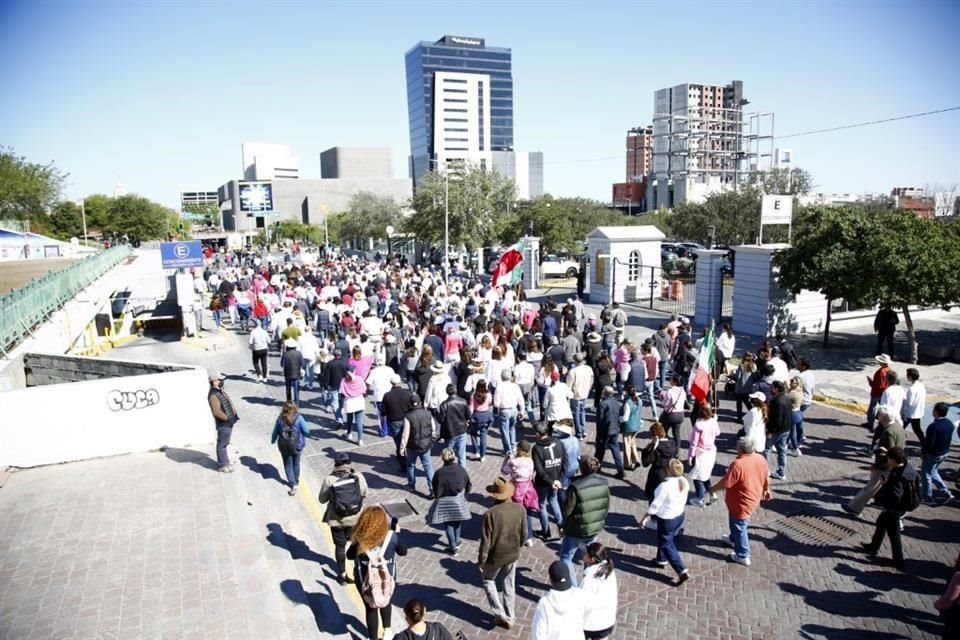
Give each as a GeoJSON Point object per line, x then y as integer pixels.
{"type": "Point", "coordinates": [369, 536]}
{"type": "Point", "coordinates": [657, 455]}
{"type": "Point", "coordinates": [451, 484]}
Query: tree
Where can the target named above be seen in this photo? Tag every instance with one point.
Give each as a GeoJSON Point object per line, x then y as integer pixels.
{"type": "Point", "coordinates": [916, 262]}
{"type": "Point", "coordinates": [138, 218]}
{"type": "Point", "coordinates": [65, 221]}
{"type": "Point", "coordinates": [28, 190]}
{"type": "Point", "coordinates": [827, 256]}
{"type": "Point", "coordinates": [293, 230]}
{"type": "Point", "coordinates": [97, 209]}
{"type": "Point", "coordinates": [479, 203]}
{"type": "Point", "coordinates": [782, 181]}
{"type": "Point", "coordinates": [735, 214]}
{"type": "Point", "coordinates": [368, 216]}
{"type": "Point", "coordinates": [562, 224]}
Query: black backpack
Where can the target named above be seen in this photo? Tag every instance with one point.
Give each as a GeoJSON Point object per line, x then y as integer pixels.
{"type": "Point", "coordinates": [911, 493]}
{"type": "Point", "coordinates": [345, 496]}
{"type": "Point", "coordinates": [290, 436]}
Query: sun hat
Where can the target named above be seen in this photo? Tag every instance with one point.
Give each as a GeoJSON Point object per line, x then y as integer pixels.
{"type": "Point", "coordinates": [437, 367]}
{"type": "Point", "coordinates": [757, 395]}
{"type": "Point", "coordinates": [883, 358]}
{"type": "Point", "coordinates": [501, 489]}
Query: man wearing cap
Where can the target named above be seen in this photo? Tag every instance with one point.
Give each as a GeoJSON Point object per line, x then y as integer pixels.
{"type": "Point", "coordinates": [225, 416]}
{"type": "Point", "coordinates": [619, 320]}
{"type": "Point", "coordinates": [502, 533]}
{"type": "Point", "coordinates": [292, 369]}
{"type": "Point", "coordinates": [878, 384]}
{"type": "Point", "coordinates": [560, 612]}
{"type": "Point", "coordinates": [416, 441]}
{"type": "Point", "coordinates": [580, 381]}
{"type": "Point", "coordinates": [343, 485]}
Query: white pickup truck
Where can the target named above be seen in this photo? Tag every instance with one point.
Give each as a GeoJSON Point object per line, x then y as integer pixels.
{"type": "Point", "coordinates": [557, 267]}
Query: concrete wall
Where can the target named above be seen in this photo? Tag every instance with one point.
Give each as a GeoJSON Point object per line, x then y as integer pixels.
{"type": "Point", "coordinates": [58, 423]}
{"type": "Point", "coordinates": [56, 369]}
{"type": "Point", "coordinates": [616, 280]}
{"type": "Point", "coordinates": [357, 163]}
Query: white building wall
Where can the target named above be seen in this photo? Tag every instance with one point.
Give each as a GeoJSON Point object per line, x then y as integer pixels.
{"type": "Point", "coordinates": [461, 106]}
{"type": "Point", "coordinates": [266, 161]}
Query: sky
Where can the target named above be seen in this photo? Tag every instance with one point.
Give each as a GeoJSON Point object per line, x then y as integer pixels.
{"type": "Point", "coordinates": [159, 96]}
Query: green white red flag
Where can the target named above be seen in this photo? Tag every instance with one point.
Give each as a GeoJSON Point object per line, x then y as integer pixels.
{"type": "Point", "coordinates": [510, 267]}
{"type": "Point", "coordinates": [701, 377]}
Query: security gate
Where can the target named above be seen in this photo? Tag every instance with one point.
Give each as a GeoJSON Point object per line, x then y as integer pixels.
{"type": "Point", "coordinates": [664, 290]}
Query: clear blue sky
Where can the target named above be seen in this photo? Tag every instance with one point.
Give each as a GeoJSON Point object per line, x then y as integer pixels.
{"type": "Point", "coordinates": [159, 96]}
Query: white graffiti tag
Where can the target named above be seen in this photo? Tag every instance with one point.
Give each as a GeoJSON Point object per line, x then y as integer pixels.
{"type": "Point", "coordinates": [130, 400]}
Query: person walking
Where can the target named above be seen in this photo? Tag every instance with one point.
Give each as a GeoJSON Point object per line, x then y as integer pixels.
{"type": "Point", "coordinates": [755, 422]}
{"type": "Point", "coordinates": [415, 613]}
{"type": "Point", "coordinates": [416, 442]}
{"type": "Point", "coordinates": [657, 455]}
{"type": "Point", "coordinates": [344, 491]}
{"type": "Point", "coordinates": [779, 419]}
{"type": "Point", "coordinates": [672, 401]}
{"type": "Point", "coordinates": [915, 403]}
{"type": "Point", "coordinates": [451, 484]}
{"type": "Point", "coordinates": [599, 591]}
{"type": "Point", "coordinates": [669, 501]}
{"type": "Point", "coordinates": [353, 390]}
{"type": "Point", "coordinates": [550, 463]}
{"type": "Point", "coordinates": [560, 612]}
{"type": "Point", "coordinates": [889, 435]}
{"type": "Point", "coordinates": [259, 342]}
{"type": "Point", "coordinates": [948, 605]}
{"type": "Point", "coordinates": [608, 430]}
{"type": "Point", "coordinates": [375, 542]}
{"type": "Point", "coordinates": [898, 495]}
{"type": "Point", "coordinates": [630, 423]}
{"type": "Point", "coordinates": [936, 446]}
{"type": "Point", "coordinates": [580, 381]}
{"type": "Point", "coordinates": [481, 419]}
{"type": "Point", "coordinates": [519, 470]}
{"type": "Point", "coordinates": [509, 404]}
{"type": "Point", "coordinates": [795, 393]}
{"type": "Point", "coordinates": [292, 369]}
{"type": "Point", "coordinates": [703, 452]}
{"type": "Point", "coordinates": [290, 433]}
{"type": "Point", "coordinates": [454, 417]}
{"type": "Point", "coordinates": [745, 484]}
{"type": "Point", "coordinates": [396, 403]}
{"type": "Point", "coordinates": [379, 381]}
{"type": "Point", "coordinates": [224, 416]}
{"type": "Point", "coordinates": [502, 533]}
{"type": "Point", "coordinates": [878, 384]}
{"type": "Point", "coordinates": [584, 512]}
{"type": "Point", "coordinates": [885, 326]}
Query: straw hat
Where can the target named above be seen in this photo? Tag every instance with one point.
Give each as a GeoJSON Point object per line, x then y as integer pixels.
{"type": "Point", "coordinates": [501, 489]}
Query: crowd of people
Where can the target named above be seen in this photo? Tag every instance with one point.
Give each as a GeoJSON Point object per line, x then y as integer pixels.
{"type": "Point", "coordinates": [445, 365]}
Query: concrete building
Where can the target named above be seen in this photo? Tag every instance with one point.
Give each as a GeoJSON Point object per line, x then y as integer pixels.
{"type": "Point", "coordinates": [639, 153]}
{"type": "Point", "coordinates": [346, 172]}
{"type": "Point", "coordinates": [193, 198]}
{"type": "Point", "coordinates": [460, 104]}
{"type": "Point", "coordinates": [264, 161]}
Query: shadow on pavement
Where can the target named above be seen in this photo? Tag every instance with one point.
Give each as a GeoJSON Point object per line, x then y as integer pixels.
{"type": "Point", "coordinates": [820, 632]}
{"type": "Point", "coordinates": [299, 550]}
{"type": "Point", "coordinates": [190, 456]}
{"type": "Point", "coordinates": [268, 402]}
{"type": "Point", "coordinates": [880, 580]}
{"type": "Point", "coordinates": [446, 600]}
{"type": "Point", "coordinates": [326, 613]}
{"type": "Point", "coordinates": [526, 582]}
{"type": "Point", "coordinates": [266, 470]}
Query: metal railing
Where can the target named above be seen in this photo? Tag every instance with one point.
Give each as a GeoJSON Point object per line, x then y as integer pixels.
{"type": "Point", "coordinates": [23, 309]}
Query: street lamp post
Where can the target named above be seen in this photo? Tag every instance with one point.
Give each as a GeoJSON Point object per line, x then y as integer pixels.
{"type": "Point", "coordinates": [83, 216]}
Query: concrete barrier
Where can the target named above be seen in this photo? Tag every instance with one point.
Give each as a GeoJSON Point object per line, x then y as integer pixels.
{"type": "Point", "coordinates": [107, 412]}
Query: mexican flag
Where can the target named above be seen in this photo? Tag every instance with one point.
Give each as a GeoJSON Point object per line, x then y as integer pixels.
{"type": "Point", "coordinates": [510, 268]}
{"type": "Point", "coordinates": [700, 388]}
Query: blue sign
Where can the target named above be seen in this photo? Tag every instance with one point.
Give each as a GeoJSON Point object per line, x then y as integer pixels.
{"type": "Point", "coordinates": [178, 255]}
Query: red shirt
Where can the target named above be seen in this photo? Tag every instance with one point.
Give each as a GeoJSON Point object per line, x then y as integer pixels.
{"type": "Point", "coordinates": [879, 384]}
{"type": "Point", "coordinates": [746, 481]}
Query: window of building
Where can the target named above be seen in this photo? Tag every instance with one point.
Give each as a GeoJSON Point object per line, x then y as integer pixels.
{"type": "Point", "coordinates": [454, 119]}
{"type": "Point", "coordinates": [633, 267]}
{"type": "Point", "coordinates": [600, 269]}
{"type": "Point", "coordinates": [445, 90]}
{"type": "Point", "coordinates": [452, 110]}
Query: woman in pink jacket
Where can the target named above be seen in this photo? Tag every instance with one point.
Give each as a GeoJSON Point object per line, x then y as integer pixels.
{"type": "Point", "coordinates": [520, 470]}
{"type": "Point", "coordinates": [703, 452]}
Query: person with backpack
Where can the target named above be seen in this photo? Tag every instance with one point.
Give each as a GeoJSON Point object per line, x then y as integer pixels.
{"type": "Point", "coordinates": [374, 548]}
{"type": "Point", "coordinates": [419, 432]}
{"type": "Point", "coordinates": [343, 491]}
{"type": "Point", "coordinates": [890, 434]}
{"type": "Point", "coordinates": [289, 432]}
{"type": "Point", "coordinates": [898, 495]}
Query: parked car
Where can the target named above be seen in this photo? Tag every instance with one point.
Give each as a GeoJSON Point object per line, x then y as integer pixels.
{"type": "Point", "coordinates": [559, 267]}
{"type": "Point", "coordinates": [668, 251]}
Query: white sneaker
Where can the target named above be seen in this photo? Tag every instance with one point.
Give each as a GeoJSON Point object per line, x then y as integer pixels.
{"type": "Point", "coordinates": [735, 558]}
{"type": "Point", "coordinates": [528, 542]}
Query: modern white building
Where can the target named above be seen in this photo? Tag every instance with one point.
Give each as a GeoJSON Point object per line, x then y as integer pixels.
{"type": "Point", "coordinates": [461, 129]}
{"type": "Point", "coordinates": [525, 168]}
{"type": "Point", "coordinates": [265, 161]}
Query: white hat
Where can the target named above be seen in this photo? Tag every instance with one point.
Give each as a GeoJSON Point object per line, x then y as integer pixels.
{"type": "Point", "coordinates": [291, 343]}
{"type": "Point", "coordinates": [437, 367]}
{"type": "Point", "coordinates": [757, 395]}
{"type": "Point", "coordinates": [566, 428]}
{"type": "Point", "coordinates": [883, 358]}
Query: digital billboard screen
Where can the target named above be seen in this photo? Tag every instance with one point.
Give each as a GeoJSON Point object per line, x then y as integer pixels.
{"type": "Point", "coordinates": [256, 197]}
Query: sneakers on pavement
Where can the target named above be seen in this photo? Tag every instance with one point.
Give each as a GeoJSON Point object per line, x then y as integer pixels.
{"type": "Point", "coordinates": [683, 577]}
{"type": "Point", "coordinates": [846, 507]}
{"type": "Point", "coordinates": [733, 557]}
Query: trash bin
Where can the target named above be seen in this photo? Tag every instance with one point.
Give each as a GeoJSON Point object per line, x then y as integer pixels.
{"type": "Point", "coordinates": [102, 322]}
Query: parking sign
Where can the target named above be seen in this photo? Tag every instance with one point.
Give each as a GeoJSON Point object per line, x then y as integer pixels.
{"type": "Point", "coordinates": [180, 255]}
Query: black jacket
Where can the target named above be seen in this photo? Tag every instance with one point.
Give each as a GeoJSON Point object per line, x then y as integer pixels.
{"type": "Point", "coordinates": [608, 417]}
{"type": "Point", "coordinates": [292, 364]}
{"type": "Point", "coordinates": [549, 461]}
{"type": "Point", "coordinates": [450, 479]}
{"type": "Point", "coordinates": [454, 417]}
{"type": "Point", "coordinates": [779, 414]}
{"type": "Point", "coordinates": [788, 354]}
{"type": "Point", "coordinates": [396, 403]}
{"type": "Point", "coordinates": [333, 373]}
{"type": "Point", "coordinates": [659, 462]}
{"type": "Point", "coordinates": [893, 492]}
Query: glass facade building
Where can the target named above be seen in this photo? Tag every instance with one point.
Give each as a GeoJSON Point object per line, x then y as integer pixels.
{"type": "Point", "coordinates": [461, 55]}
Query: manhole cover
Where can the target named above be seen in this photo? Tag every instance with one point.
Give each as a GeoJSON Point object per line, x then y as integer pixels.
{"type": "Point", "coordinates": [814, 531]}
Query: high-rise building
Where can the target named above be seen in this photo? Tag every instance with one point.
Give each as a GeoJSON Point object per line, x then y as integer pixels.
{"type": "Point", "coordinates": [460, 102]}
{"type": "Point", "coordinates": [639, 153]}
{"type": "Point", "coordinates": [264, 161]}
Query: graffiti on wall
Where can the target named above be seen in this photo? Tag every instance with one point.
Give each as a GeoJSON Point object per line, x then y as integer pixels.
{"type": "Point", "coordinates": [130, 400]}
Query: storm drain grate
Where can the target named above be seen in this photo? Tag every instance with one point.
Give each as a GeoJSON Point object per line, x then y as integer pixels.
{"type": "Point", "coordinates": [811, 530]}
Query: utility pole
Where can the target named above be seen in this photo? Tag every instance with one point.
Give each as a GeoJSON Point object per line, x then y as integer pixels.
{"type": "Point", "coordinates": [83, 216]}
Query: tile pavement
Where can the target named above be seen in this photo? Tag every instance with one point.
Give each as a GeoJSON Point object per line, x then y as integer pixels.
{"type": "Point", "coordinates": [158, 545]}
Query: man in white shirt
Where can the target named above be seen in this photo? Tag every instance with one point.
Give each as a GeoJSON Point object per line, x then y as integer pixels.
{"type": "Point", "coordinates": [580, 381]}
{"type": "Point", "coordinates": [914, 403]}
{"type": "Point", "coordinates": [894, 395]}
{"type": "Point", "coordinates": [559, 614]}
{"type": "Point", "coordinates": [524, 375]}
{"type": "Point", "coordinates": [508, 399]}
{"type": "Point", "coordinates": [809, 383]}
{"type": "Point", "coordinates": [259, 346]}
{"type": "Point", "coordinates": [309, 346]}
{"type": "Point", "coordinates": [379, 381]}
{"type": "Point", "coordinates": [780, 370]}
{"type": "Point", "coordinates": [556, 402]}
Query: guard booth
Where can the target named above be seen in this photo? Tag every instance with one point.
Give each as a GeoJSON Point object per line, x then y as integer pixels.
{"type": "Point", "coordinates": [619, 264]}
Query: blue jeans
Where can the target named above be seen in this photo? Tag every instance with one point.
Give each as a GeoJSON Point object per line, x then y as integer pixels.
{"type": "Point", "coordinates": [384, 427]}
{"type": "Point", "coordinates": [569, 550]}
{"type": "Point", "coordinates": [396, 431]}
{"type": "Point", "coordinates": [609, 439]}
{"type": "Point", "coordinates": [459, 446]}
{"type": "Point", "coordinates": [424, 458]}
{"type": "Point", "coordinates": [453, 534]}
{"type": "Point", "coordinates": [651, 397]}
{"type": "Point", "coordinates": [223, 440]}
{"type": "Point", "coordinates": [738, 536]}
{"type": "Point", "coordinates": [579, 410]}
{"type": "Point", "coordinates": [217, 318]}
{"type": "Point", "coordinates": [666, 547]}
{"type": "Point", "coordinates": [357, 419]}
{"type": "Point", "coordinates": [796, 429]}
{"type": "Point", "coordinates": [779, 442]}
{"type": "Point", "coordinates": [479, 426]}
{"type": "Point", "coordinates": [336, 403]}
{"type": "Point", "coordinates": [931, 475]}
{"type": "Point", "coordinates": [548, 499]}
{"type": "Point", "coordinates": [508, 432]}
{"type": "Point", "coordinates": [291, 466]}
{"type": "Point", "coordinates": [309, 367]}
{"type": "Point", "coordinates": [872, 411]}
{"type": "Point", "coordinates": [661, 375]}
{"type": "Point", "coordinates": [293, 391]}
